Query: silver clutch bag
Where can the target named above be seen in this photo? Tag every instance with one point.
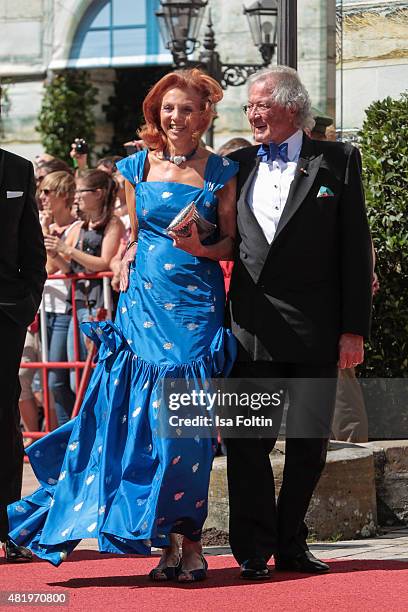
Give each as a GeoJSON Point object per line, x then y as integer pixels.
{"type": "Point", "coordinates": [182, 222]}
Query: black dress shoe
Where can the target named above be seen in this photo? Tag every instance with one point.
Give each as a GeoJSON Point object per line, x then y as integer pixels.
{"type": "Point", "coordinates": [303, 562]}
{"type": "Point", "coordinates": [254, 569]}
{"type": "Point", "coordinates": [14, 553]}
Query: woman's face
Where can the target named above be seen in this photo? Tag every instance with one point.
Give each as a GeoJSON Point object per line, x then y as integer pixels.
{"type": "Point", "coordinates": [87, 199]}
{"type": "Point", "coordinates": [180, 115]}
{"type": "Point", "coordinates": [53, 202]}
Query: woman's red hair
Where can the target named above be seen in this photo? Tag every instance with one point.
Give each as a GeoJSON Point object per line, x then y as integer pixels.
{"type": "Point", "coordinates": [206, 87]}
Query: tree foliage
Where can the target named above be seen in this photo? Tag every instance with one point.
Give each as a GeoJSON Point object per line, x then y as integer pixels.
{"type": "Point", "coordinates": [384, 148]}
{"type": "Point", "coordinates": [67, 113]}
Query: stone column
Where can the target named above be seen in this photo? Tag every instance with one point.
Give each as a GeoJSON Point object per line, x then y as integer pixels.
{"type": "Point", "coordinates": [317, 52]}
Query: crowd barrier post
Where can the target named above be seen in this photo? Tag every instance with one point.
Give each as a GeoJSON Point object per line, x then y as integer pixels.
{"type": "Point", "coordinates": [107, 297]}
{"type": "Point", "coordinates": [44, 359]}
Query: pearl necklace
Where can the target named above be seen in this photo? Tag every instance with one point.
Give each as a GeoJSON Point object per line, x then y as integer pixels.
{"type": "Point", "coordinates": [179, 159]}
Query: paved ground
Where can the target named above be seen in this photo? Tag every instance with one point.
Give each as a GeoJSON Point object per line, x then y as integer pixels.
{"type": "Point", "coordinates": [390, 545]}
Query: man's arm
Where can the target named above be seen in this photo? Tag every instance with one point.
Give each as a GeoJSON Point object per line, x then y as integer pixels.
{"type": "Point", "coordinates": [32, 256]}
{"type": "Point", "coordinates": [356, 265]}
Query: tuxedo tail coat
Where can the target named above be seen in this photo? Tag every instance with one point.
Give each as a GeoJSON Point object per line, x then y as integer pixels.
{"type": "Point", "coordinates": [290, 300]}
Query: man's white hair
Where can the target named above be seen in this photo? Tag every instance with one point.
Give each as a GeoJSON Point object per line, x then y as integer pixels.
{"type": "Point", "coordinates": [287, 90]}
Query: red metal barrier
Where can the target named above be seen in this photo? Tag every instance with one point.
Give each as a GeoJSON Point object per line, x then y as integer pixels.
{"type": "Point", "coordinates": [86, 366]}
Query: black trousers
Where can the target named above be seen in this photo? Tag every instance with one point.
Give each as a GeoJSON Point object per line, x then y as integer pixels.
{"type": "Point", "coordinates": [259, 526]}
{"type": "Point", "coordinates": [11, 443]}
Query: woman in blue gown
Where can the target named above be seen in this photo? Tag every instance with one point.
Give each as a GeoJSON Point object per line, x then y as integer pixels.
{"type": "Point", "coordinates": [108, 474]}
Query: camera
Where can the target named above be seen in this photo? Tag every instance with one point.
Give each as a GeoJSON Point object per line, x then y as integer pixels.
{"type": "Point", "coordinates": [81, 146]}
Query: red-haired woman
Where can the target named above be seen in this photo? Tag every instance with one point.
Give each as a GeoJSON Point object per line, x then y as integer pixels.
{"type": "Point", "coordinates": [125, 479]}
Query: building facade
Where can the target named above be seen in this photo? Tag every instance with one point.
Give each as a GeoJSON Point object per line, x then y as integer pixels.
{"type": "Point", "coordinates": [109, 38]}
{"type": "Point", "coordinates": [372, 57]}
{"type": "Point", "coordinates": [118, 43]}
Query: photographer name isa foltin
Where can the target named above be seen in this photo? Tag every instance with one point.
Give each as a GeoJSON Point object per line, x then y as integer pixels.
{"type": "Point", "coordinates": [222, 401]}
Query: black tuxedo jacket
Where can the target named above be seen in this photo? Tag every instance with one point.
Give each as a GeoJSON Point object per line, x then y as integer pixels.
{"type": "Point", "coordinates": [291, 300]}
{"type": "Point", "coordinates": [22, 252]}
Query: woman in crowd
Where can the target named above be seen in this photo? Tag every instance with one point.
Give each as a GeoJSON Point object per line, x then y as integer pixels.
{"type": "Point", "coordinates": [56, 197]}
{"type": "Point", "coordinates": [44, 167]}
{"type": "Point", "coordinates": [89, 248]}
{"type": "Point", "coordinates": [57, 194]}
{"type": "Point", "coordinates": [121, 210]}
{"type": "Point", "coordinates": [119, 479]}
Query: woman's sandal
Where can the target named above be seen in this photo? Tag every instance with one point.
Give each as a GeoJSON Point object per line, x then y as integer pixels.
{"type": "Point", "coordinates": [166, 572]}
{"type": "Point", "coordinates": [196, 575]}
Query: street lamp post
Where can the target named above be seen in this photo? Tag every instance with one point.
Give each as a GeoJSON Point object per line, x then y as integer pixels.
{"type": "Point", "coordinates": [179, 22]}
{"type": "Point", "coordinates": [287, 39]}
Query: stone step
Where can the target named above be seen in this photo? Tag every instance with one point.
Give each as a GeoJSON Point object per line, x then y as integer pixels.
{"type": "Point", "coordinates": [344, 502]}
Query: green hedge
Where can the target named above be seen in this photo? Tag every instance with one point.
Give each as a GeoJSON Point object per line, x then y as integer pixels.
{"type": "Point", "coordinates": [67, 113]}
{"type": "Point", "coordinates": [384, 148]}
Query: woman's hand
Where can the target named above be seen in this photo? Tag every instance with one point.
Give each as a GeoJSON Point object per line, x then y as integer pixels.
{"type": "Point", "coordinates": [191, 244]}
{"type": "Point", "coordinates": [127, 259]}
{"type": "Point", "coordinates": [45, 220]}
{"type": "Point", "coordinates": [115, 266]}
{"type": "Point", "coordinates": [51, 253]}
{"type": "Point", "coordinates": [55, 244]}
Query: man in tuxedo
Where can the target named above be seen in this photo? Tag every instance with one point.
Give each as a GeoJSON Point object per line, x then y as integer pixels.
{"type": "Point", "coordinates": [300, 302]}
{"type": "Point", "coordinates": [22, 277]}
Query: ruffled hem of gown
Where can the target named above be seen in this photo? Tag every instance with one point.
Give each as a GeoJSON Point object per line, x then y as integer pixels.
{"type": "Point", "coordinates": [110, 340]}
{"type": "Point", "coordinates": [34, 521]}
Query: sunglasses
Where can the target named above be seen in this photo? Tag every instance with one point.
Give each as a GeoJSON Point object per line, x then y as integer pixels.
{"type": "Point", "coordinates": [47, 191]}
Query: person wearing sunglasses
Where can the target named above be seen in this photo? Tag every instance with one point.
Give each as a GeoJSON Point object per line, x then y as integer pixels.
{"type": "Point", "coordinates": [89, 248]}
{"type": "Point", "coordinates": [58, 220]}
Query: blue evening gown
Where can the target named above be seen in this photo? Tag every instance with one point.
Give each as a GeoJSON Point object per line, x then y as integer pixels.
{"type": "Point", "coordinates": [107, 474]}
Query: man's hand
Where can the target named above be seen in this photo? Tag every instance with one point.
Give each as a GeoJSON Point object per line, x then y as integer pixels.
{"type": "Point", "coordinates": [375, 287]}
{"type": "Point", "coordinates": [351, 351]}
{"type": "Point", "coordinates": [139, 145]}
{"type": "Point", "coordinates": [128, 257]}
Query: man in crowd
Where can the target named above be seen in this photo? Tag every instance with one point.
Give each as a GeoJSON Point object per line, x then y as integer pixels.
{"type": "Point", "coordinates": [300, 302]}
{"type": "Point", "coordinates": [22, 277]}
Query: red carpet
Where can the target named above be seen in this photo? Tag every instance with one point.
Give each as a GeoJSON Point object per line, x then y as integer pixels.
{"type": "Point", "coordinates": [103, 582]}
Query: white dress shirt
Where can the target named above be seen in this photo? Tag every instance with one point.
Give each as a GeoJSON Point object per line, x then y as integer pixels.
{"type": "Point", "coordinates": [270, 187]}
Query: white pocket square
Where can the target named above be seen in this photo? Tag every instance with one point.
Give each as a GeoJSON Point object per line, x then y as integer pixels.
{"type": "Point", "coordinates": [14, 194]}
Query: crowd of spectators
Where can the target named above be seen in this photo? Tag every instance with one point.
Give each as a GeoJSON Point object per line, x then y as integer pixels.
{"type": "Point", "coordinates": [85, 224]}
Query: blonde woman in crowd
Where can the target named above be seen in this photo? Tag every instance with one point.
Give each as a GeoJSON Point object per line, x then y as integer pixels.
{"type": "Point", "coordinates": [89, 247]}
{"type": "Point", "coordinates": [56, 193]}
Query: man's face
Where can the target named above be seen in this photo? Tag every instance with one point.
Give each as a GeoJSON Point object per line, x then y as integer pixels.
{"type": "Point", "coordinates": [269, 121]}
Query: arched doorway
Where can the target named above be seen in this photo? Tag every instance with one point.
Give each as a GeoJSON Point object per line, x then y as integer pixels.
{"type": "Point", "coordinates": [118, 33]}
{"type": "Point", "coordinates": [118, 42]}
